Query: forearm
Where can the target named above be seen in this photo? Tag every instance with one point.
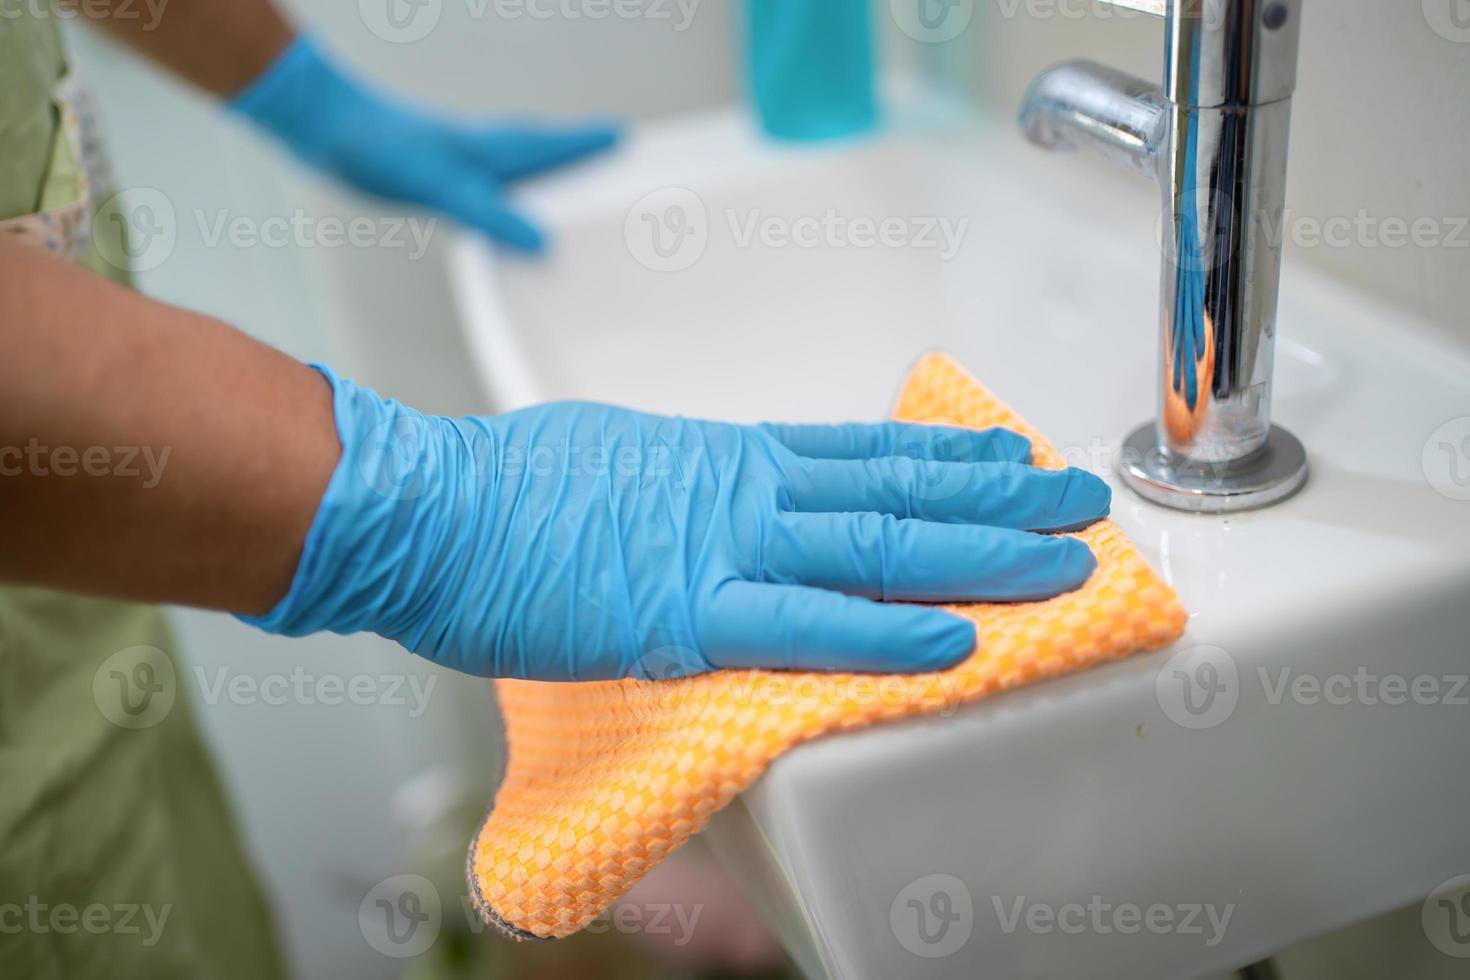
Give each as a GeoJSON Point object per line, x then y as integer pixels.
{"type": "Point", "coordinates": [147, 452]}
{"type": "Point", "coordinates": [218, 45]}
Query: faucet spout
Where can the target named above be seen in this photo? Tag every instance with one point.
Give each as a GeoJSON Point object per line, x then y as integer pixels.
{"type": "Point", "coordinates": [1082, 104]}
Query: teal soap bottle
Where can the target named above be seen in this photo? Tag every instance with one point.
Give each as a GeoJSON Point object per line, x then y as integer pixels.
{"type": "Point", "coordinates": [811, 67]}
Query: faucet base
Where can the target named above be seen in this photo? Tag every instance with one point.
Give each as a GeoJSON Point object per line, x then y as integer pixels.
{"type": "Point", "coordinates": [1269, 476]}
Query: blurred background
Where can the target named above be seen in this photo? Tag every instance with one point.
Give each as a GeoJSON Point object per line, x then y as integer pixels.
{"type": "Point", "coordinates": [335, 799]}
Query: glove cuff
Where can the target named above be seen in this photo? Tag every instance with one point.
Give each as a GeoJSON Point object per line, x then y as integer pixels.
{"type": "Point", "coordinates": [301, 98]}
{"type": "Point", "coordinates": [368, 557]}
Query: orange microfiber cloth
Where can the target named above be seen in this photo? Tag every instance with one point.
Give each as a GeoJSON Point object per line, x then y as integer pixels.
{"type": "Point", "coordinates": [605, 779]}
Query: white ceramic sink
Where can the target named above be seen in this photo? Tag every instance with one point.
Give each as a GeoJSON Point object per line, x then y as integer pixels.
{"type": "Point", "coordinates": [938, 847]}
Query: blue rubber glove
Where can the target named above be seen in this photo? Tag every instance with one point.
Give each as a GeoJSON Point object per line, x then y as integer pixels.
{"type": "Point", "coordinates": [576, 541]}
{"type": "Point", "coordinates": [398, 152]}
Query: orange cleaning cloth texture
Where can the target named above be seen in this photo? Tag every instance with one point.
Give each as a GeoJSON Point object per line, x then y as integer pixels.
{"type": "Point", "coordinates": [604, 779]}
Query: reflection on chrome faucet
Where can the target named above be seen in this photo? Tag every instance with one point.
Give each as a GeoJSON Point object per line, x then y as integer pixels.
{"type": "Point", "coordinates": [1214, 137]}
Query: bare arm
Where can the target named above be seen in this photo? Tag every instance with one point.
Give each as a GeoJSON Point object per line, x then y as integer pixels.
{"type": "Point", "coordinates": [147, 452]}
{"type": "Point", "coordinates": [218, 45]}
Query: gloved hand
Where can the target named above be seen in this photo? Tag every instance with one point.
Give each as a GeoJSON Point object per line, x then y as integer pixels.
{"type": "Point", "coordinates": [578, 542]}
{"type": "Point", "coordinates": [401, 153]}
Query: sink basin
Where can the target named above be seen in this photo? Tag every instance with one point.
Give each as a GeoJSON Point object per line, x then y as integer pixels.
{"type": "Point", "coordinates": [1294, 764]}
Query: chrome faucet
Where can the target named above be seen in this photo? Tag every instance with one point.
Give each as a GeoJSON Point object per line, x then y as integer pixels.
{"type": "Point", "coordinates": [1214, 137]}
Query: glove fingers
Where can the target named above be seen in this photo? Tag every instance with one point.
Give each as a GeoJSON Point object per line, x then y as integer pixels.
{"type": "Point", "coordinates": [791, 627]}
{"type": "Point", "coordinates": [481, 207]}
{"type": "Point", "coordinates": [917, 441]}
{"type": "Point", "coordinates": [1010, 495]}
{"type": "Point", "coordinates": [880, 557]}
{"type": "Point", "coordinates": [519, 152]}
